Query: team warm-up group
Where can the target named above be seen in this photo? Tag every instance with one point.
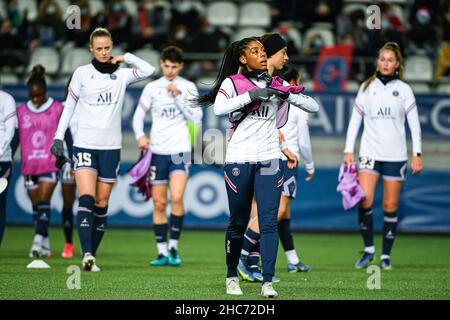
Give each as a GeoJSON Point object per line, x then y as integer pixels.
{"type": "Point", "coordinates": [79, 142]}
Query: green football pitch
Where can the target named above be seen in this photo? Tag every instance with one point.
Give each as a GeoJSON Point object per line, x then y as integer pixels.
{"type": "Point", "coordinates": [421, 269]}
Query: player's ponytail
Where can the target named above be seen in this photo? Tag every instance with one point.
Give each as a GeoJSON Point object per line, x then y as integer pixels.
{"type": "Point", "coordinates": [37, 77]}
{"type": "Point", "coordinates": [394, 47]}
{"type": "Point", "coordinates": [230, 65]}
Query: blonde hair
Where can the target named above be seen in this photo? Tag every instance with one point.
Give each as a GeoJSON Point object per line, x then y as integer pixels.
{"type": "Point", "coordinates": [394, 47]}
{"type": "Point", "coordinates": [99, 32]}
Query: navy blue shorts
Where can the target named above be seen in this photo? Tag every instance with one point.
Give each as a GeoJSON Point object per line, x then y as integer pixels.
{"type": "Point", "coordinates": [290, 181]}
{"type": "Point", "coordinates": [32, 182]}
{"type": "Point", "coordinates": [105, 163]}
{"type": "Point", "coordinates": [389, 170]}
{"type": "Point", "coordinates": [163, 166]}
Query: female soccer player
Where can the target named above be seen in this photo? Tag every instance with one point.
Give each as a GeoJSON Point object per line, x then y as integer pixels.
{"type": "Point", "coordinates": [168, 100]}
{"type": "Point", "coordinates": [383, 101]}
{"type": "Point", "coordinates": [7, 127]}
{"type": "Point", "coordinates": [97, 90]}
{"type": "Point", "coordinates": [37, 122]}
{"type": "Point", "coordinates": [297, 134]}
{"type": "Point", "coordinates": [252, 162]}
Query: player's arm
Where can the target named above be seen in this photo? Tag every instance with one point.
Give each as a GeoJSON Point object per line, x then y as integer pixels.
{"type": "Point", "coordinates": [353, 128]}
{"type": "Point", "coordinates": [10, 123]}
{"type": "Point", "coordinates": [304, 102]}
{"type": "Point", "coordinates": [412, 116]}
{"type": "Point", "coordinates": [142, 69]}
{"type": "Point", "coordinates": [304, 143]}
{"type": "Point", "coordinates": [144, 105]}
{"type": "Point", "coordinates": [183, 103]}
{"type": "Point", "coordinates": [73, 95]}
{"type": "Point", "coordinates": [226, 100]}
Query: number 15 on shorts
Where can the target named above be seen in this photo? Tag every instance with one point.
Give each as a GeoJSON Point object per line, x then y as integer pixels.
{"type": "Point", "coordinates": [83, 159]}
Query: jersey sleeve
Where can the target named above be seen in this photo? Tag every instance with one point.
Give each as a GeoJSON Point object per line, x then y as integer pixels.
{"type": "Point", "coordinates": [73, 95]}
{"type": "Point", "coordinates": [184, 103]}
{"type": "Point", "coordinates": [412, 116]}
{"type": "Point", "coordinates": [10, 119]}
{"type": "Point", "coordinates": [227, 100]}
{"type": "Point", "coordinates": [144, 105]}
{"type": "Point", "coordinates": [304, 141]}
{"type": "Point", "coordinates": [141, 68]}
{"type": "Point", "coordinates": [355, 122]}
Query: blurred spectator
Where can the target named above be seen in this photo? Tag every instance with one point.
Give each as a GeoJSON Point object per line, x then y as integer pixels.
{"type": "Point", "coordinates": [80, 37]}
{"type": "Point", "coordinates": [443, 68]}
{"type": "Point", "coordinates": [153, 25]}
{"type": "Point", "coordinates": [117, 20]}
{"type": "Point", "coordinates": [315, 43]}
{"type": "Point", "coordinates": [12, 50]}
{"type": "Point", "coordinates": [49, 28]}
{"type": "Point", "coordinates": [445, 22]}
{"type": "Point", "coordinates": [185, 13]}
{"type": "Point", "coordinates": [312, 11]}
{"type": "Point", "coordinates": [209, 39]}
{"type": "Point", "coordinates": [283, 30]}
{"type": "Point", "coordinates": [432, 5]}
{"type": "Point", "coordinates": [181, 37]}
{"type": "Point", "coordinates": [351, 29]}
{"type": "Point", "coordinates": [13, 13]}
{"type": "Point", "coordinates": [284, 10]}
{"type": "Point", "coordinates": [390, 31]}
{"type": "Point", "coordinates": [423, 34]}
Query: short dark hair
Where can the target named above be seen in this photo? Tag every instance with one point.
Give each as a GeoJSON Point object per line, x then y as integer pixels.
{"type": "Point", "coordinates": [173, 54]}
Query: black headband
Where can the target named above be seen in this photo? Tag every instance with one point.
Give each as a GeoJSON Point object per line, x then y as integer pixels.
{"type": "Point", "coordinates": [273, 44]}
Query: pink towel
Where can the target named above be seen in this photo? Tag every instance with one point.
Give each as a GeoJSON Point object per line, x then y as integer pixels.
{"type": "Point", "coordinates": [139, 174]}
{"type": "Point", "coordinates": [348, 186]}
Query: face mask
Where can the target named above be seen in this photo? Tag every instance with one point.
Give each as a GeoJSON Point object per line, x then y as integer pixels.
{"type": "Point", "coordinates": [180, 34]}
{"type": "Point", "coordinates": [117, 7]}
{"type": "Point", "coordinates": [318, 42]}
{"type": "Point", "coordinates": [423, 17]}
{"type": "Point", "coordinates": [184, 7]}
{"type": "Point", "coordinates": [385, 24]}
{"type": "Point", "coordinates": [51, 9]}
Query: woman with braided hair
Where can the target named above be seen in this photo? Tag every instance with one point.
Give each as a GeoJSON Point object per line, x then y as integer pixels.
{"type": "Point", "coordinates": [257, 105]}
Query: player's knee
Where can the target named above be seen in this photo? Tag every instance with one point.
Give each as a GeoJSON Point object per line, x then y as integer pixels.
{"type": "Point", "coordinates": [283, 213]}
{"type": "Point", "coordinates": [390, 206]}
{"type": "Point", "coordinates": [160, 204]}
{"type": "Point", "coordinates": [176, 199]}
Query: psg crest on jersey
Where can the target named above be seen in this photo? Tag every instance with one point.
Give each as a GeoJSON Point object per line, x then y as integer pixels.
{"type": "Point", "coordinates": [395, 93]}
{"type": "Point", "coordinates": [235, 172]}
{"type": "Point", "coordinates": [113, 76]}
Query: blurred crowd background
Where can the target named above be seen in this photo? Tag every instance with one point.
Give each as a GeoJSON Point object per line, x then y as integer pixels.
{"type": "Point", "coordinates": [35, 31]}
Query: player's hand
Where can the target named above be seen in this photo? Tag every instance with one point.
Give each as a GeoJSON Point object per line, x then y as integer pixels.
{"type": "Point", "coordinates": [172, 88]}
{"type": "Point", "coordinates": [292, 159]}
{"type": "Point", "coordinates": [143, 143]}
{"type": "Point", "coordinates": [117, 59]}
{"type": "Point", "coordinates": [309, 177]}
{"type": "Point", "coordinates": [349, 158]}
{"type": "Point", "coordinates": [57, 148]}
{"type": "Point", "coordinates": [261, 94]}
{"type": "Point", "coordinates": [280, 137]}
{"type": "Point", "coordinates": [60, 161]}
{"type": "Point", "coordinates": [281, 94]}
{"type": "Point", "coordinates": [416, 165]}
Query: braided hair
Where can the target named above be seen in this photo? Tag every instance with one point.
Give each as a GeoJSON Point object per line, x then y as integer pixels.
{"type": "Point", "coordinates": [230, 65]}
{"type": "Point", "coordinates": [37, 77]}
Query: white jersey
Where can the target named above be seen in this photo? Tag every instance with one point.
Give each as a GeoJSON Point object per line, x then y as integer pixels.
{"type": "Point", "coordinates": [256, 137]}
{"type": "Point", "coordinates": [384, 109]}
{"type": "Point", "coordinates": [98, 99]}
{"type": "Point", "coordinates": [8, 121]}
{"type": "Point", "coordinates": [296, 137]}
{"type": "Point", "coordinates": [169, 132]}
